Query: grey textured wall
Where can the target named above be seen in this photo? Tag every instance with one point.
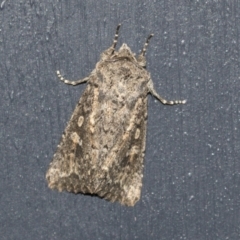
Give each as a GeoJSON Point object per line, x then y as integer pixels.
{"type": "Point", "coordinates": [192, 167]}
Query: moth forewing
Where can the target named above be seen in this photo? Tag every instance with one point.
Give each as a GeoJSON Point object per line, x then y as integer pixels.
{"type": "Point", "coordinates": [102, 149]}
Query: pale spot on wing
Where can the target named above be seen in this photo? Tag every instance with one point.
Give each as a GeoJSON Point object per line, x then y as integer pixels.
{"type": "Point", "coordinates": [95, 156]}
{"type": "Point", "coordinates": [137, 133]}
{"type": "Point", "coordinates": [132, 154]}
{"type": "Point", "coordinates": [80, 121]}
{"type": "Point", "coordinates": [94, 107]}
{"type": "Point", "coordinates": [75, 138]}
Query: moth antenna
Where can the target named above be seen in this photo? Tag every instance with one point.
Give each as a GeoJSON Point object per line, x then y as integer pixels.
{"type": "Point", "coordinates": [143, 52]}
{"type": "Point", "coordinates": [115, 38]}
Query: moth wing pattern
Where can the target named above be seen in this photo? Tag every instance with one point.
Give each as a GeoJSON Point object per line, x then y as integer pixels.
{"type": "Point", "coordinates": [69, 162]}
{"type": "Point", "coordinates": [122, 170]}
{"type": "Point", "coordinates": [101, 151]}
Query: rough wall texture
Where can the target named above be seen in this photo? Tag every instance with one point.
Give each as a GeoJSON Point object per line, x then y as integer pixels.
{"type": "Point", "coordinates": [191, 184]}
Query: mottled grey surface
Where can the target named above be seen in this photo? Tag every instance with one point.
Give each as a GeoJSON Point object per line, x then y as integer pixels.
{"type": "Point", "coordinates": [191, 185]}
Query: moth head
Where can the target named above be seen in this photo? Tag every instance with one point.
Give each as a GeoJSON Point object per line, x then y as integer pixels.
{"type": "Point", "coordinates": [125, 52]}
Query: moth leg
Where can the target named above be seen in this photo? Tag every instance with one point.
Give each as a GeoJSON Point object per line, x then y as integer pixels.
{"type": "Point", "coordinates": [74, 83]}
{"type": "Point", "coordinates": [143, 52]}
{"type": "Point", "coordinates": [115, 38]}
{"type": "Point", "coordinates": [162, 100]}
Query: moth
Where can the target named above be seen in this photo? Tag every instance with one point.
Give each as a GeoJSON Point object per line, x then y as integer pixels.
{"type": "Point", "coordinates": [101, 151]}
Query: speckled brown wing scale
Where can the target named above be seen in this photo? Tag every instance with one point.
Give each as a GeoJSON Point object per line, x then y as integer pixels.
{"type": "Point", "coordinates": [102, 149]}
{"type": "Point", "coordinates": [122, 179]}
{"type": "Point", "coordinates": [70, 167]}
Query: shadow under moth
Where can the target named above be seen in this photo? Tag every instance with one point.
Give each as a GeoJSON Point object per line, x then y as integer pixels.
{"type": "Point", "coordinates": [101, 151]}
